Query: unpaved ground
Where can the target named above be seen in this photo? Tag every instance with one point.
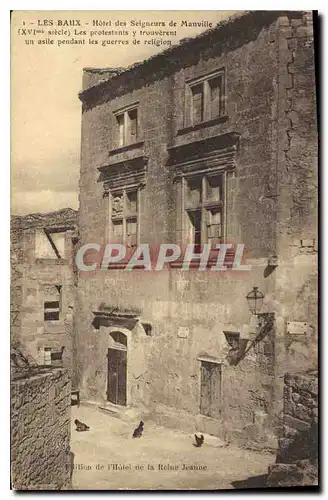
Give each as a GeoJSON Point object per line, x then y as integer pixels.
{"type": "Point", "coordinates": [109, 442]}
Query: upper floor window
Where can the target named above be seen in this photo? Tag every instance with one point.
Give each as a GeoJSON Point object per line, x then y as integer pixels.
{"type": "Point", "coordinates": [127, 125]}
{"type": "Point", "coordinates": [50, 244]}
{"type": "Point", "coordinates": [204, 207]}
{"type": "Point", "coordinates": [205, 98]}
{"type": "Point", "coordinates": [125, 217]}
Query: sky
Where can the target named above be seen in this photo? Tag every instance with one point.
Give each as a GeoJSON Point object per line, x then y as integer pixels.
{"type": "Point", "coordinates": [46, 111]}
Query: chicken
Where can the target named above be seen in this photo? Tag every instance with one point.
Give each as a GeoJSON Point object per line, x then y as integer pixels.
{"type": "Point", "coordinates": [199, 440]}
{"type": "Point", "coordinates": [137, 433]}
{"type": "Point", "coordinates": [80, 426]}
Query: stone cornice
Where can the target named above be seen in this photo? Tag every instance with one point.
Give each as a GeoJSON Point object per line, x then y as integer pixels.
{"type": "Point", "coordinates": [132, 163]}
{"type": "Point", "coordinates": [116, 317]}
{"type": "Point", "coordinates": [213, 154]}
{"type": "Point", "coordinates": [125, 173]}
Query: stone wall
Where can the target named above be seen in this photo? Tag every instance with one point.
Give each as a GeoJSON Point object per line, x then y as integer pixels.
{"type": "Point", "coordinates": [297, 455]}
{"type": "Point", "coordinates": [40, 429]}
{"type": "Point", "coordinates": [300, 401]}
{"type": "Point", "coordinates": [295, 298]}
{"type": "Point", "coordinates": [32, 276]}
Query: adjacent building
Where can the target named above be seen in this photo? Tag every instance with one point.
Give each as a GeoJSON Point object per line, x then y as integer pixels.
{"type": "Point", "coordinates": [212, 141]}
{"type": "Point", "coordinates": [43, 286]}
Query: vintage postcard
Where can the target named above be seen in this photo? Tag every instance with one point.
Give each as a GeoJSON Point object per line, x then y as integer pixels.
{"type": "Point", "coordinates": [164, 243]}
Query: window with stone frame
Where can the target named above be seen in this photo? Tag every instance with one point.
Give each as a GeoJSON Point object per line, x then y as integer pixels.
{"type": "Point", "coordinates": [53, 355]}
{"type": "Point", "coordinates": [124, 217]}
{"type": "Point", "coordinates": [205, 98]}
{"type": "Point", "coordinates": [204, 209]}
{"type": "Point", "coordinates": [127, 126]}
{"type": "Point", "coordinates": [52, 303]}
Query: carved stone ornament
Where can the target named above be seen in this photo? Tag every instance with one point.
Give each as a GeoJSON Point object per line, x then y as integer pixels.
{"type": "Point", "coordinates": [117, 206]}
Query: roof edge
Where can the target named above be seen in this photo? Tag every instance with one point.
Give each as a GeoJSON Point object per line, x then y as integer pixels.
{"type": "Point", "coordinates": [252, 17]}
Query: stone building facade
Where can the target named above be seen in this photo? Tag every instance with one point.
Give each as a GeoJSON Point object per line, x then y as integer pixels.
{"type": "Point", "coordinates": [43, 285]}
{"type": "Point", "coordinates": [211, 141]}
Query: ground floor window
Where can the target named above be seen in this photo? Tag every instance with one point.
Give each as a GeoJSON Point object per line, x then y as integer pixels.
{"type": "Point", "coordinates": [53, 355]}
{"type": "Point", "coordinates": [47, 355]}
{"type": "Point", "coordinates": [52, 303]}
{"type": "Point", "coordinates": [210, 389]}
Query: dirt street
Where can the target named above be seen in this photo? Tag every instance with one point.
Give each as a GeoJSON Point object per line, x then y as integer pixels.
{"type": "Point", "coordinates": [107, 458]}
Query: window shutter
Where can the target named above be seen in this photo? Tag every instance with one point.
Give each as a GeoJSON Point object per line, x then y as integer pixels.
{"type": "Point", "coordinates": [132, 240]}
{"type": "Point", "coordinates": [133, 117]}
{"type": "Point", "coordinates": [120, 121]}
{"type": "Point", "coordinates": [194, 192]}
{"type": "Point", "coordinates": [213, 188]}
{"type": "Point", "coordinates": [118, 231]}
{"type": "Point", "coordinates": [131, 231]}
{"type": "Point", "coordinates": [132, 202]}
{"type": "Point", "coordinates": [197, 104]}
{"type": "Point", "coordinates": [216, 96]}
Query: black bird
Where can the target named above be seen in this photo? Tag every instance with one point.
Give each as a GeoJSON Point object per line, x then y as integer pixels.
{"type": "Point", "coordinates": [137, 433]}
{"type": "Point", "coordinates": [80, 426]}
{"type": "Point", "coordinates": [199, 440]}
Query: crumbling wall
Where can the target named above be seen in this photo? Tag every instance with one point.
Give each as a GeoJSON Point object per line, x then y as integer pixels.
{"type": "Point", "coordinates": [297, 455]}
{"type": "Point", "coordinates": [294, 298]}
{"type": "Point", "coordinates": [30, 277]}
{"type": "Point", "coordinates": [297, 131]}
{"type": "Point", "coordinates": [297, 225]}
{"type": "Point", "coordinates": [40, 429]}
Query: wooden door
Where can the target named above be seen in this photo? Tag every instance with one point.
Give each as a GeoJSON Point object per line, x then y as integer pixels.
{"type": "Point", "coordinates": [210, 389]}
{"type": "Point", "coordinates": [116, 388]}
